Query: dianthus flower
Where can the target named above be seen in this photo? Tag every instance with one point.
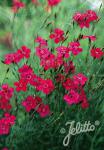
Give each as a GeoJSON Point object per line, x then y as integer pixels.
{"type": "Point", "coordinates": [24, 51]}
{"type": "Point", "coordinates": [46, 86]}
{"type": "Point", "coordinates": [97, 53]}
{"type": "Point", "coordinates": [48, 63]}
{"type": "Point", "coordinates": [6, 123]}
{"type": "Point", "coordinates": [21, 85]}
{"type": "Point", "coordinates": [42, 53]}
{"type": "Point", "coordinates": [31, 103]}
{"type": "Point", "coordinates": [80, 79]}
{"type": "Point", "coordinates": [42, 42]}
{"type": "Point", "coordinates": [72, 98]}
{"type": "Point", "coordinates": [63, 51]}
{"type": "Point", "coordinates": [57, 35]}
{"type": "Point", "coordinates": [43, 110]}
{"type": "Point", "coordinates": [75, 48]}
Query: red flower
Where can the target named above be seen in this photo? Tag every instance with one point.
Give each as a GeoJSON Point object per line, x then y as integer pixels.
{"type": "Point", "coordinates": [26, 73]}
{"type": "Point", "coordinates": [69, 67]}
{"type": "Point", "coordinates": [42, 42]}
{"type": "Point", "coordinates": [43, 110]}
{"type": "Point", "coordinates": [12, 58]}
{"type": "Point", "coordinates": [17, 5]}
{"type": "Point", "coordinates": [53, 2]}
{"type": "Point", "coordinates": [97, 53]}
{"type": "Point", "coordinates": [72, 98]}
{"type": "Point", "coordinates": [24, 69]}
{"type": "Point", "coordinates": [31, 102]}
{"type": "Point", "coordinates": [91, 37]}
{"type": "Point", "coordinates": [42, 53]}
{"type": "Point", "coordinates": [57, 35]}
{"type": "Point", "coordinates": [80, 79]}
{"type": "Point", "coordinates": [6, 123]}
{"type": "Point", "coordinates": [24, 51]}
{"type": "Point", "coordinates": [6, 92]}
{"type": "Point", "coordinates": [85, 19]}
{"type": "Point", "coordinates": [69, 84]}
{"type": "Point", "coordinates": [63, 51]}
{"type": "Point", "coordinates": [21, 85]}
{"type": "Point", "coordinates": [75, 48]}
{"type": "Point", "coordinates": [49, 62]}
{"type": "Point", "coordinates": [36, 81]}
{"type": "Point", "coordinates": [46, 86]}
{"type": "Point", "coordinates": [4, 104]}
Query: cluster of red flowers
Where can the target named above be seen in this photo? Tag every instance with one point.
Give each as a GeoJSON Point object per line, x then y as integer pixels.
{"type": "Point", "coordinates": [27, 76]}
{"type": "Point", "coordinates": [75, 89]}
{"type": "Point", "coordinates": [6, 122]}
{"type": "Point", "coordinates": [31, 103]}
{"type": "Point", "coordinates": [6, 94]}
{"type": "Point", "coordinates": [17, 56]}
{"type": "Point", "coordinates": [84, 19]}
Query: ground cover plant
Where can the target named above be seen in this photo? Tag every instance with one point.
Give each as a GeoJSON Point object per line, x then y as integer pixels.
{"type": "Point", "coordinates": [53, 74]}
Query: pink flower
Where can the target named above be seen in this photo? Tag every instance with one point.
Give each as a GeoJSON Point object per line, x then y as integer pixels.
{"type": "Point", "coordinates": [53, 2]}
{"type": "Point", "coordinates": [43, 110]}
{"type": "Point", "coordinates": [31, 103]}
{"type": "Point", "coordinates": [63, 51]}
{"type": "Point", "coordinates": [72, 98]}
{"type": "Point", "coordinates": [97, 53]}
{"type": "Point", "coordinates": [21, 85]}
{"type": "Point", "coordinates": [80, 79]}
{"type": "Point", "coordinates": [57, 35]}
{"type": "Point", "coordinates": [75, 48]}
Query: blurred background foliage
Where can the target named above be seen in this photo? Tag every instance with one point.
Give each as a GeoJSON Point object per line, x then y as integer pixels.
{"type": "Point", "coordinates": [21, 29]}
